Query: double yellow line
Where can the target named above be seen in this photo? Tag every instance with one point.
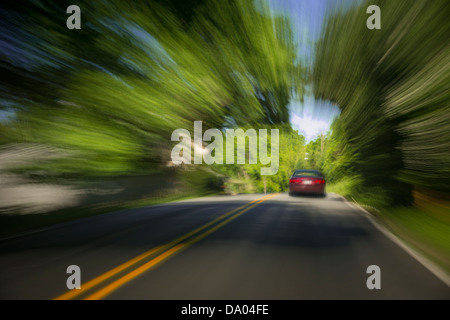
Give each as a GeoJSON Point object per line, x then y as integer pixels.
{"type": "Point", "coordinates": [156, 255]}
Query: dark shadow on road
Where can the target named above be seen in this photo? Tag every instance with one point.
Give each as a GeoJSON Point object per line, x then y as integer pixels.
{"type": "Point", "coordinates": [308, 195]}
{"type": "Point", "coordinates": [289, 224]}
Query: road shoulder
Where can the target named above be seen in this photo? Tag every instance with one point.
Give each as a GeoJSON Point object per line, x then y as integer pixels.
{"type": "Point", "coordinates": [427, 263]}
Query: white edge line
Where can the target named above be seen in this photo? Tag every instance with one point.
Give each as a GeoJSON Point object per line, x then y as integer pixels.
{"type": "Point", "coordinates": [431, 266]}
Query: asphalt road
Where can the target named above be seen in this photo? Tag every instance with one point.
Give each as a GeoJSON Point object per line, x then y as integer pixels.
{"type": "Point", "coordinates": [222, 247]}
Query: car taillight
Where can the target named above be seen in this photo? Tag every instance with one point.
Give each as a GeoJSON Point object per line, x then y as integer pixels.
{"type": "Point", "coordinates": [294, 180]}
{"type": "Point", "coordinates": [319, 181]}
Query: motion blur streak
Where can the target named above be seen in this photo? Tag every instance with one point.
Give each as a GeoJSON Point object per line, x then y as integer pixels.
{"type": "Point", "coordinates": [86, 115]}
{"type": "Point", "coordinates": [392, 87]}
{"type": "Point", "coordinates": [106, 98]}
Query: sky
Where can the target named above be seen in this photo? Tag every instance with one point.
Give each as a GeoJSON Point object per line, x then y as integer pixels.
{"type": "Point", "coordinates": [310, 117]}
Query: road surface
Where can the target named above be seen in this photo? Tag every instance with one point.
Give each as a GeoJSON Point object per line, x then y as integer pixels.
{"type": "Point", "coordinates": [222, 247]}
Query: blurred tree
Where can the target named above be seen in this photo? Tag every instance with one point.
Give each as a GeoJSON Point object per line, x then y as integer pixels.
{"type": "Point", "coordinates": [247, 178]}
{"type": "Point", "coordinates": [111, 93]}
{"type": "Point", "coordinates": [391, 87]}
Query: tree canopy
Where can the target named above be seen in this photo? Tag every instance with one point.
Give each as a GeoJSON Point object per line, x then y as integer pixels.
{"type": "Point", "coordinates": [392, 87]}
{"type": "Point", "coordinates": [111, 93]}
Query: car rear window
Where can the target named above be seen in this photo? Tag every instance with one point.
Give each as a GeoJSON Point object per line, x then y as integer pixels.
{"type": "Point", "coordinates": [307, 174]}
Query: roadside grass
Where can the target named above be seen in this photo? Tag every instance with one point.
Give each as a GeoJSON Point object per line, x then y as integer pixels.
{"type": "Point", "coordinates": [425, 228]}
{"type": "Point", "coordinates": [420, 228]}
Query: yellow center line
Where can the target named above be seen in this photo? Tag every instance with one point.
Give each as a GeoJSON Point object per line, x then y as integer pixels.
{"type": "Point", "coordinates": [220, 225]}
{"type": "Point", "coordinates": [92, 283]}
{"type": "Point", "coordinates": [109, 274]}
{"type": "Point", "coordinates": [133, 274]}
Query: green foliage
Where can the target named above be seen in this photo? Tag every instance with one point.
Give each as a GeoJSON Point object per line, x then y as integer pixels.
{"type": "Point", "coordinates": [426, 229]}
{"type": "Point", "coordinates": [391, 85]}
{"type": "Point", "coordinates": [332, 154]}
{"type": "Point", "coordinates": [109, 95]}
{"type": "Point", "coordinates": [248, 178]}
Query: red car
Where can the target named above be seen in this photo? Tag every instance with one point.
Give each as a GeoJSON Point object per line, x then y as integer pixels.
{"type": "Point", "coordinates": [307, 182]}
